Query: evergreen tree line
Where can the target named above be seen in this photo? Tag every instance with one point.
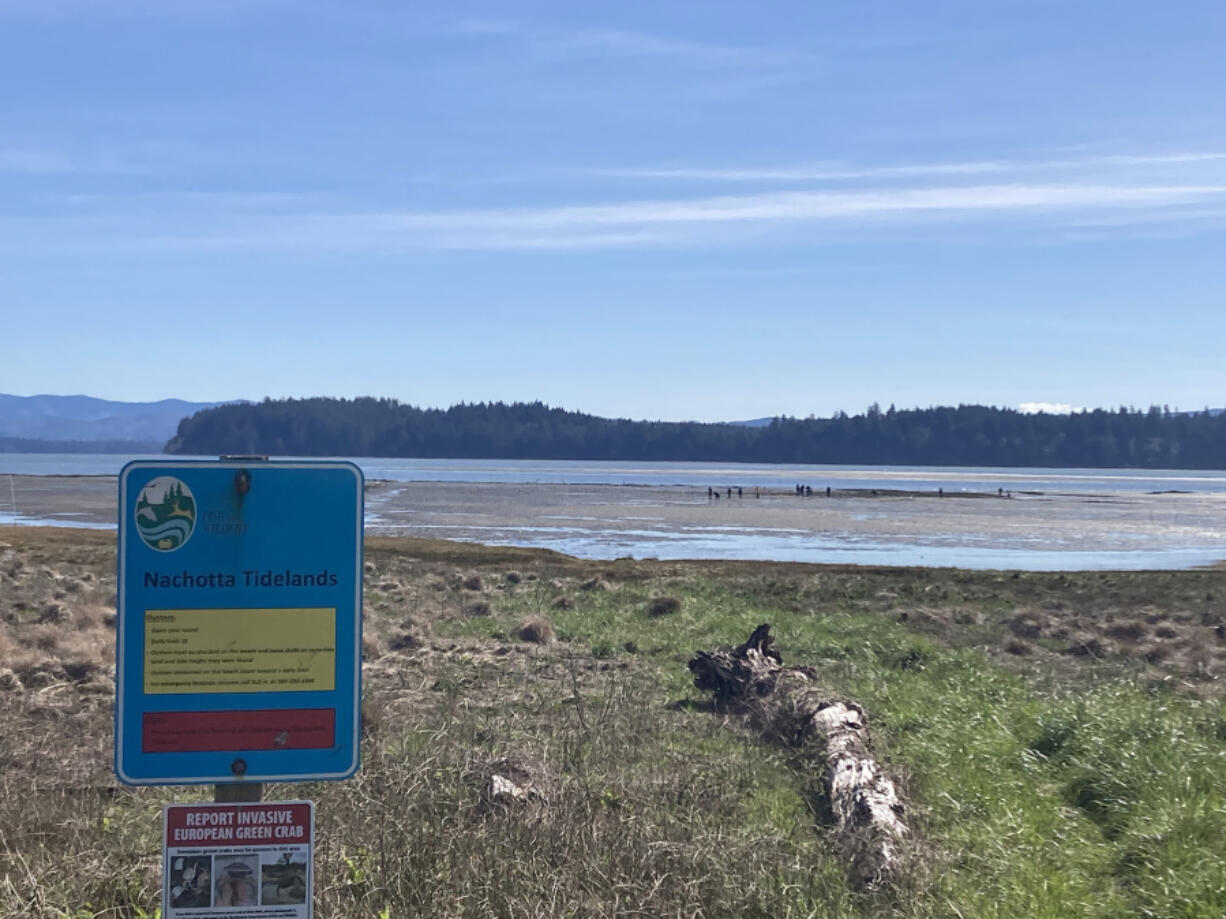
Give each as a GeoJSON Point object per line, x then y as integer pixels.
{"type": "Point", "coordinates": [968, 435]}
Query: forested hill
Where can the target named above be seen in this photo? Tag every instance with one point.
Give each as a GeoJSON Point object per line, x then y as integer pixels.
{"type": "Point", "coordinates": [969, 435]}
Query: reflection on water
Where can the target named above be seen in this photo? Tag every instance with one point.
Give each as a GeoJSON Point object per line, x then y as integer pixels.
{"type": "Point", "coordinates": [793, 545]}
{"type": "Point", "coordinates": [52, 520]}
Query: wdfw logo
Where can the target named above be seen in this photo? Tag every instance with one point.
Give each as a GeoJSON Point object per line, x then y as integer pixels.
{"type": "Point", "coordinates": [165, 513]}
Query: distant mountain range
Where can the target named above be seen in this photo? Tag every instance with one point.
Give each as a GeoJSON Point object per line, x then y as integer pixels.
{"type": "Point", "coordinates": [48, 420]}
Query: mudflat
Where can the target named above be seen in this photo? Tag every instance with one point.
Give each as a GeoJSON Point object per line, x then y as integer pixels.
{"type": "Point", "coordinates": [882, 527]}
{"type": "Point", "coordinates": [985, 530]}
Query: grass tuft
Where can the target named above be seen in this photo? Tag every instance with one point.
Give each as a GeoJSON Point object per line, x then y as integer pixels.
{"type": "Point", "coordinates": [663, 606]}
{"type": "Point", "coordinates": [537, 631]}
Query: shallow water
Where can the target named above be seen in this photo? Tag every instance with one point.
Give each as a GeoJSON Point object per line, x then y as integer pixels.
{"type": "Point", "coordinates": [802, 546]}
{"type": "Point", "coordinates": [1123, 529]}
{"type": "Point", "coordinates": [54, 520]}
{"type": "Point", "coordinates": [1057, 532]}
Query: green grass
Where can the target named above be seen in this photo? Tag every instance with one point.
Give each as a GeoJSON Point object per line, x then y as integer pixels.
{"type": "Point", "coordinates": [1034, 795]}
{"type": "Point", "coordinates": [1044, 785]}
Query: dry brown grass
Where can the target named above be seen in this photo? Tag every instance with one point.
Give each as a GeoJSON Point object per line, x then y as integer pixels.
{"type": "Point", "coordinates": [56, 610]}
{"type": "Point", "coordinates": [57, 600]}
{"type": "Point", "coordinates": [1018, 648]}
{"type": "Point", "coordinates": [410, 829]}
{"type": "Point", "coordinates": [633, 824]}
{"type": "Point", "coordinates": [479, 608]}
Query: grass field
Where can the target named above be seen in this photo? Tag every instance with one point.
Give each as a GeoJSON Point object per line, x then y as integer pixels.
{"type": "Point", "coordinates": [1060, 738]}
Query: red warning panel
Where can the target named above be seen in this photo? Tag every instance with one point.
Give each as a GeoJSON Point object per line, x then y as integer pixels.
{"type": "Point", "coordinates": [235, 731]}
{"type": "Point", "coordinates": [230, 824]}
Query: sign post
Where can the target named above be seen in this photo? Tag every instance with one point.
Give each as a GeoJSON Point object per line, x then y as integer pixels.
{"type": "Point", "coordinates": [239, 622]}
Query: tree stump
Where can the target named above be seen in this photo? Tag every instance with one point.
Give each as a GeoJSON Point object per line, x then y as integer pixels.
{"type": "Point", "coordinates": [787, 706]}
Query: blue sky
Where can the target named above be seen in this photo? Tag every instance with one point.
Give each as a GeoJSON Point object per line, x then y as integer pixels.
{"type": "Point", "coordinates": [657, 210]}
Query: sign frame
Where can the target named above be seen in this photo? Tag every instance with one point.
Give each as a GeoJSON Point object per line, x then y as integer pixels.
{"type": "Point", "coordinates": [264, 545]}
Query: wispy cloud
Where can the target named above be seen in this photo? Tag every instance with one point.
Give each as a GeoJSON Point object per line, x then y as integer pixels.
{"type": "Point", "coordinates": [557, 42]}
{"type": "Point", "coordinates": [834, 172]}
{"type": "Point", "coordinates": [616, 41]}
{"type": "Point", "coordinates": [790, 206]}
{"type": "Point", "coordinates": [264, 201]}
{"type": "Point", "coordinates": [1177, 193]}
{"type": "Point", "coordinates": [691, 222]}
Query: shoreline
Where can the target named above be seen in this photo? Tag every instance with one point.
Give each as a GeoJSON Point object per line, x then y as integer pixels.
{"type": "Point", "coordinates": [901, 528]}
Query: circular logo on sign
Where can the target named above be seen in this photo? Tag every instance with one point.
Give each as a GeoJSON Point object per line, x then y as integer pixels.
{"type": "Point", "coordinates": [165, 513]}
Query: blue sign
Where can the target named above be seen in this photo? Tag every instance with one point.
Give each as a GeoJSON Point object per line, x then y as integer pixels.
{"type": "Point", "coordinates": [239, 655]}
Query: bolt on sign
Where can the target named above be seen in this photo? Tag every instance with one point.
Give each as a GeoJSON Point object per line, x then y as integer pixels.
{"type": "Point", "coordinates": [239, 627]}
{"type": "Point", "coordinates": [226, 861]}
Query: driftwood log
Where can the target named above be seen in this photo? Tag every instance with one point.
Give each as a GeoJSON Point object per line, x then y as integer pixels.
{"type": "Point", "coordinates": [787, 706]}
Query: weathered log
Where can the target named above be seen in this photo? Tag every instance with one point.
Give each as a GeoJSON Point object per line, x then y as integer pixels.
{"type": "Point", "coordinates": [787, 706]}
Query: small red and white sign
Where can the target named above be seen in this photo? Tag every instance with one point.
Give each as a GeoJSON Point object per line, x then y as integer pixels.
{"type": "Point", "coordinates": [239, 861]}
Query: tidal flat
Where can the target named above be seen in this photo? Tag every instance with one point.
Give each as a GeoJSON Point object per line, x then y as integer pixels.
{"type": "Point", "coordinates": [981, 530]}
{"type": "Point", "coordinates": [1059, 738]}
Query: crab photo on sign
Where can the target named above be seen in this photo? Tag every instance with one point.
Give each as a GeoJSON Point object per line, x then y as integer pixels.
{"type": "Point", "coordinates": [189, 882]}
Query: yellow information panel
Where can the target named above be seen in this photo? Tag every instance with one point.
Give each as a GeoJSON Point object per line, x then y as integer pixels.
{"type": "Point", "coordinates": [239, 650]}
